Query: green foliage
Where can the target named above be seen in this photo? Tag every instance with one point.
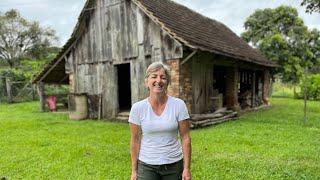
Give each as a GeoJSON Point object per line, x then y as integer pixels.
{"type": "Point", "coordinates": [314, 43]}
{"type": "Point", "coordinates": [312, 85]}
{"type": "Point", "coordinates": [30, 67]}
{"type": "Point", "coordinates": [281, 36]}
{"type": "Point", "coordinates": [56, 89]}
{"type": "Point", "coordinates": [13, 74]}
{"type": "Point", "coordinates": [267, 144]}
{"type": "Point", "coordinates": [311, 5]}
{"type": "Point", "coordinates": [21, 38]}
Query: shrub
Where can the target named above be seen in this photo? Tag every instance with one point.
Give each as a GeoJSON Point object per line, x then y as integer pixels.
{"type": "Point", "coordinates": [312, 83]}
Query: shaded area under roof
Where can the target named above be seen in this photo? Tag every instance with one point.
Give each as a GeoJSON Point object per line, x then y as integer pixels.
{"type": "Point", "coordinates": [56, 75]}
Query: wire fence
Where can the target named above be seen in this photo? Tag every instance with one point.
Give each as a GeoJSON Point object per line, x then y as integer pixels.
{"type": "Point", "coordinates": [16, 91]}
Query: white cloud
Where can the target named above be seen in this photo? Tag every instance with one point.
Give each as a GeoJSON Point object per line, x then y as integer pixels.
{"type": "Point", "coordinates": [234, 13]}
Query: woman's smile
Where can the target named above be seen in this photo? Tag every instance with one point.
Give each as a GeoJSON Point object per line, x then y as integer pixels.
{"type": "Point", "coordinates": [157, 81]}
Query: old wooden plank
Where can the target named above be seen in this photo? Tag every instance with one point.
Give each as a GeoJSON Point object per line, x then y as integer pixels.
{"type": "Point", "coordinates": [188, 57]}
{"type": "Point", "coordinates": [253, 89]}
{"type": "Point", "coordinates": [41, 93]}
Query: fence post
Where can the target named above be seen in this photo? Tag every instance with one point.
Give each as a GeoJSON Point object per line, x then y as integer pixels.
{"type": "Point", "coordinates": [41, 96]}
{"type": "Point", "coordinates": [9, 90]}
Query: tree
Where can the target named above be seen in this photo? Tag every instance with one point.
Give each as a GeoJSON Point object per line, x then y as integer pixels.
{"type": "Point", "coordinates": [282, 37]}
{"type": "Point", "coordinates": [311, 5]}
{"type": "Point", "coordinates": [20, 38]}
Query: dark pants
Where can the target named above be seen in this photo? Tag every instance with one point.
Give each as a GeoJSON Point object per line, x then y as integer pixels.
{"type": "Point", "coordinates": [160, 172]}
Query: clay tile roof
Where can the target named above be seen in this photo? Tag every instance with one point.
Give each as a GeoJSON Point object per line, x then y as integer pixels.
{"type": "Point", "coordinates": [200, 32]}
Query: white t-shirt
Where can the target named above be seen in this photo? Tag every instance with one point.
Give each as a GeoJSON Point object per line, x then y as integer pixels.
{"type": "Point", "coordinates": [160, 143]}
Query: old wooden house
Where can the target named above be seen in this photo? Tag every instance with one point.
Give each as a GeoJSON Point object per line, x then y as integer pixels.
{"type": "Point", "coordinates": [114, 41]}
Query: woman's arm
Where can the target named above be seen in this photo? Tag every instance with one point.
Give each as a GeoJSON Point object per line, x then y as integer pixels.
{"type": "Point", "coordinates": [186, 148]}
{"type": "Point", "coordinates": [134, 148]}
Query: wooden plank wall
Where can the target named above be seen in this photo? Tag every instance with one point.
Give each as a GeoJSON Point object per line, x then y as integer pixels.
{"type": "Point", "coordinates": [117, 32]}
{"type": "Point", "coordinates": [202, 82]}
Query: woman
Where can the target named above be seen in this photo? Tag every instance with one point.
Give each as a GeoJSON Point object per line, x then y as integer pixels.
{"type": "Point", "coordinates": [155, 122]}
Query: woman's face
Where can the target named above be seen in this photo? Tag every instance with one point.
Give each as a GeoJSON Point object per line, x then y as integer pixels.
{"type": "Point", "coordinates": [157, 81]}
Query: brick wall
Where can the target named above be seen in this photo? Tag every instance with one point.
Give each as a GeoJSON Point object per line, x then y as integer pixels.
{"type": "Point", "coordinates": [181, 82]}
{"type": "Point", "coordinates": [173, 88]}
{"type": "Point", "coordinates": [186, 93]}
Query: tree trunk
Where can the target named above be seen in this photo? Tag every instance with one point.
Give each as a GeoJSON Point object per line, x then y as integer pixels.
{"type": "Point", "coordinates": [305, 95]}
{"type": "Point", "coordinates": [9, 90]}
{"type": "Point", "coordinates": [33, 92]}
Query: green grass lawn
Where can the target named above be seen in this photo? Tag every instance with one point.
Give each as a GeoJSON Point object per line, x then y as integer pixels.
{"type": "Point", "coordinates": [268, 144]}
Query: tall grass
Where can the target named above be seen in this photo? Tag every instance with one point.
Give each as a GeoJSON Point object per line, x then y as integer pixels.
{"type": "Point", "coordinates": [280, 89]}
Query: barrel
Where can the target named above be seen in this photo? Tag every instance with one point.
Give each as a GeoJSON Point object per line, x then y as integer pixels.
{"type": "Point", "coordinates": [81, 107]}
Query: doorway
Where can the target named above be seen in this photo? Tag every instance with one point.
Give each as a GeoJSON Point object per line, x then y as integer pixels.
{"type": "Point", "coordinates": [219, 76]}
{"type": "Point", "coordinates": [124, 86]}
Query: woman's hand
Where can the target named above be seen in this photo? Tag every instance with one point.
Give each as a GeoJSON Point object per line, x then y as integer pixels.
{"type": "Point", "coordinates": [186, 174]}
{"type": "Point", "coordinates": [134, 175]}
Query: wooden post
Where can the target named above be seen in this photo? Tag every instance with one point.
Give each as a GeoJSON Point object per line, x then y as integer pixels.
{"type": "Point", "coordinates": [266, 87]}
{"type": "Point", "coordinates": [232, 88]}
{"type": "Point", "coordinates": [9, 92]}
{"type": "Point", "coordinates": [41, 96]}
{"type": "Point", "coordinates": [253, 98]}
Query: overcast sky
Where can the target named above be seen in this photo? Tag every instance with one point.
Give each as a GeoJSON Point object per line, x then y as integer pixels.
{"type": "Point", "coordinates": [62, 15]}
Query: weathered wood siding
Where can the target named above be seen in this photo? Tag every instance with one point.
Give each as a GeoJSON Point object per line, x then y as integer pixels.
{"type": "Point", "coordinates": [202, 82]}
{"type": "Point", "coordinates": [116, 32]}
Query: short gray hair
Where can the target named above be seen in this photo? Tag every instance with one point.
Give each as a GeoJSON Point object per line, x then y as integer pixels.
{"type": "Point", "coordinates": [155, 67]}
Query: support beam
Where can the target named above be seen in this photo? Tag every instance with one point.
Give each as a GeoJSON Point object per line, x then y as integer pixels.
{"type": "Point", "coordinates": [232, 88]}
{"type": "Point", "coordinates": [188, 57]}
{"type": "Point", "coordinates": [253, 92]}
{"type": "Point", "coordinates": [65, 77]}
{"type": "Point", "coordinates": [41, 96]}
{"type": "Point", "coordinates": [266, 87]}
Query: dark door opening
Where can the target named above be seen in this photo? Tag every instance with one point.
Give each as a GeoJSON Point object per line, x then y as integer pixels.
{"type": "Point", "coordinates": [124, 87]}
{"type": "Point", "coordinates": [220, 74]}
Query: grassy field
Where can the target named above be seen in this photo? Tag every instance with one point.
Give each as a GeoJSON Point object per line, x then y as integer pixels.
{"type": "Point", "coordinates": [268, 144]}
{"type": "Point", "coordinates": [284, 90]}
